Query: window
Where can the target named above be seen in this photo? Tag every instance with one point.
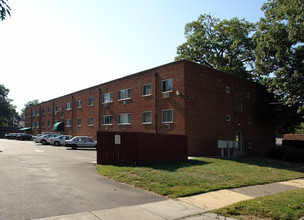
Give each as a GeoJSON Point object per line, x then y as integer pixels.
{"type": "Point", "coordinates": [106, 98]}
{"type": "Point", "coordinates": [90, 121]}
{"type": "Point", "coordinates": [147, 117]}
{"type": "Point", "coordinates": [167, 85]}
{"type": "Point", "coordinates": [33, 124]}
{"type": "Point", "coordinates": [147, 89]}
{"type": "Point", "coordinates": [68, 122]}
{"type": "Point", "coordinates": [167, 116]}
{"type": "Point", "coordinates": [91, 101]}
{"type": "Point", "coordinates": [106, 120]}
{"type": "Point", "coordinates": [37, 112]}
{"type": "Point", "coordinates": [37, 125]}
{"type": "Point", "coordinates": [61, 114]}
{"type": "Point", "coordinates": [49, 110]}
{"type": "Point", "coordinates": [42, 124]}
{"type": "Point", "coordinates": [33, 113]}
{"type": "Point", "coordinates": [42, 111]}
{"type": "Point", "coordinates": [249, 121]}
{"type": "Point", "coordinates": [227, 89]}
{"type": "Point", "coordinates": [227, 117]}
{"type": "Point", "coordinates": [124, 118]}
{"type": "Point", "coordinates": [49, 124]}
{"type": "Point", "coordinates": [247, 95]}
{"type": "Point", "coordinates": [56, 108]}
{"type": "Point", "coordinates": [68, 105]}
{"type": "Point", "coordinates": [78, 121]}
{"type": "Point", "coordinates": [124, 94]}
{"type": "Point", "coordinates": [238, 102]}
{"type": "Point", "coordinates": [79, 103]}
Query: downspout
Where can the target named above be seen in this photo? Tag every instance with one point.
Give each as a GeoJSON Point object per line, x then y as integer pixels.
{"type": "Point", "coordinates": [155, 103]}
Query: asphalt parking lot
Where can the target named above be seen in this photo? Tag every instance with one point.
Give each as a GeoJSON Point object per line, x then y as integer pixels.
{"type": "Point", "coordinates": [40, 181]}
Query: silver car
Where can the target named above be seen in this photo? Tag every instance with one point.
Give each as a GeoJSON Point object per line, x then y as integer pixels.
{"type": "Point", "coordinates": [59, 140]}
{"type": "Point", "coordinates": [43, 139]}
{"type": "Point", "coordinates": [80, 142]}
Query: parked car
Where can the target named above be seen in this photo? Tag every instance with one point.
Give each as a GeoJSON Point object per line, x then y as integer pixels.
{"type": "Point", "coordinates": [11, 136]}
{"type": "Point", "coordinates": [59, 140]}
{"type": "Point", "coordinates": [24, 137]}
{"type": "Point", "coordinates": [81, 141]}
{"type": "Point", "coordinates": [43, 139]}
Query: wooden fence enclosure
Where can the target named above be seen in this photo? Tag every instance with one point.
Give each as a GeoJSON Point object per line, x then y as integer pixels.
{"type": "Point", "coordinates": [137, 148]}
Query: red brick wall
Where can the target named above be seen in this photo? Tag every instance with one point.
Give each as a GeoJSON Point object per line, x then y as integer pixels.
{"type": "Point", "coordinates": [208, 104]}
{"type": "Point", "coordinates": [198, 100]}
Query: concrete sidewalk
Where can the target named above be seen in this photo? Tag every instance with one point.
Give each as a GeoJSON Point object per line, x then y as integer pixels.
{"type": "Point", "coordinates": [196, 207]}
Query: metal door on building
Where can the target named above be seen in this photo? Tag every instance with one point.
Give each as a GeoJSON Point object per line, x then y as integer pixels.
{"type": "Point", "coordinates": [239, 137]}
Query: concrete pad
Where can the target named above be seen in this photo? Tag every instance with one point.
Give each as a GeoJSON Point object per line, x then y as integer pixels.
{"type": "Point", "coordinates": [215, 200]}
{"type": "Point", "coordinates": [172, 209]}
{"type": "Point", "coordinates": [296, 183]}
{"type": "Point", "coordinates": [126, 213]}
{"type": "Point", "coordinates": [208, 216]}
{"type": "Point", "coordinates": [263, 190]}
{"type": "Point", "coordinates": [78, 216]}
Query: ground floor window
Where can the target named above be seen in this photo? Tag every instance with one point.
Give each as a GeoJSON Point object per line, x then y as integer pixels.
{"type": "Point", "coordinates": [90, 122]}
{"type": "Point", "coordinates": [167, 116]}
{"type": "Point", "coordinates": [68, 122]}
{"type": "Point", "coordinates": [78, 121]}
{"type": "Point", "coordinates": [147, 117]}
{"type": "Point", "coordinates": [106, 119]}
{"type": "Point", "coordinates": [124, 118]}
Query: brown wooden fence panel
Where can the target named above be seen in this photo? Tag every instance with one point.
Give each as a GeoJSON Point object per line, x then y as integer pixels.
{"type": "Point", "coordinates": [138, 148]}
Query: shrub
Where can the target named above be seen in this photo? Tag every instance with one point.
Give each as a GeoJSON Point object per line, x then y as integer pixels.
{"type": "Point", "coordinates": [288, 153]}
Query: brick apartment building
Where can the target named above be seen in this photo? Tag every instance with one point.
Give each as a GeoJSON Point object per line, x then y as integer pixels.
{"type": "Point", "coordinates": [177, 98]}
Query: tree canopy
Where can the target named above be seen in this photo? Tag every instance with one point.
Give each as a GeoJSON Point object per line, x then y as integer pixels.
{"type": "Point", "coordinates": [5, 9]}
{"type": "Point", "coordinates": [279, 55]}
{"type": "Point", "coordinates": [7, 110]}
{"type": "Point", "coordinates": [224, 45]}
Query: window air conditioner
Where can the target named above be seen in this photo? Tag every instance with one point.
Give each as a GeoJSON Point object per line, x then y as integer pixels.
{"type": "Point", "coordinates": [106, 105]}
{"type": "Point", "coordinates": [166, 95]}
{"type": "Point", "coordinates": [167, 126]}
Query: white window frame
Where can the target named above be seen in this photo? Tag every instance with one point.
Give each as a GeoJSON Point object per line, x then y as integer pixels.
{"type": "Point", "coordinates": [107, 98]}
{"type": "Point", "coordinates": [143, 117]}
{"type": "Point", "coordinates": [228, 118]}
{"type": "Point", "coordinates": [79, 103]}
{"type": "Point", "coordinates": [103, 120]}
{"type": "Point", "coordinates": [90, 121]}
{"type": "Point", "coordinates": [79, 120]}
{"type": "Point", "coordinates": [68, 122]}
{"type": "Point", "coordinates": [122, 96]}
{"type": "Point", "coordinates": [56, 108]}
{"type": "Point", "coordinates": [144, 90]}
{"type": "Point", "coordinates": [68, 106]}
{"type": "Point", "coordinates": [91, 101]}
{"type": "Point", "coordinates": [227, 89]}
{"type": "Point", "coordinates": [128, 115]}
{"type": "Point", "coordinates": [162, 85]}
{"type": "Point", "coordinates": [167, 110]}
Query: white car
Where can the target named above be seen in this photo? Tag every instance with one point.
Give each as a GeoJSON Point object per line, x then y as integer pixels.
{"type": "Point", "coordinates": [43, 139]}
{"type": "Point", "coordinates": [81, 141]}
{"type": "Point", "coordinates": [59, 140]}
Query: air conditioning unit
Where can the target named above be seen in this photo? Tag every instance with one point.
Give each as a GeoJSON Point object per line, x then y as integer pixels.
{"type": "Point", "coordinates": [123, 127]}
{"type": "Point", "coordinates": [124, 102]}
{"type": "Point", "coordinates": [167, 126]}
{"type": "Point", "coordinates": [106, 105]}
{"type": "Point", "coordinates": [106, 127]}
{"type": "Point", "coordinates": [166, 95]}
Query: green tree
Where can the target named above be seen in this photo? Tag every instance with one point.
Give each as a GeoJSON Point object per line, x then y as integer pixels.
{"type": "Point", "coordinates": [279, 55]}
{"type": "Point", "coordinates": [7, 110]}
{"type": "Point", "coordinates": [4, 9]}
{"type": "Point", "coordinates": [224, 45]}
{"type": "Point", "coordinates": [28, 104]}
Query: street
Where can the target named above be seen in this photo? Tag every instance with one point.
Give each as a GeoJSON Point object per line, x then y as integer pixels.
{"type": "Point", "coordinates": [39, 181]}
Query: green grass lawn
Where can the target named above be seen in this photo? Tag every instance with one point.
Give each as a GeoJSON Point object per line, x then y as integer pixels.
{"type": "Point", "coordinates": [286, 205]}
{"type": "Point", "coordinates": [201, 175]}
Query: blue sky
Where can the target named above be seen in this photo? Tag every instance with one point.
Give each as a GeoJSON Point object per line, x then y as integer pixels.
{"type": "Point", "coordinates": [50, 48]}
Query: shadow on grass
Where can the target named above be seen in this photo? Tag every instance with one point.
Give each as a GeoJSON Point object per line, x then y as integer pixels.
{"type": "Point", "coordinates": [173, 166]}
{"type": "Point", "coordinates": [268, 162]}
